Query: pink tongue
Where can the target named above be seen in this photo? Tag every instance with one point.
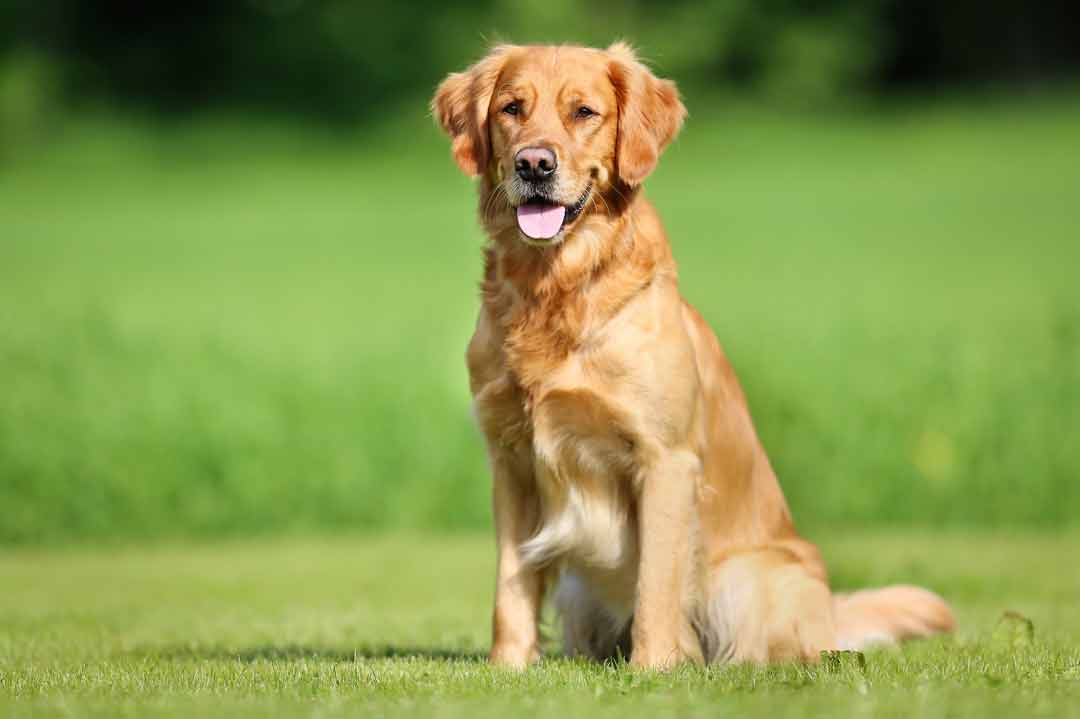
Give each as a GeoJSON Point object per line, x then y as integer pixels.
{"type": "Point", "coordinates": [540, 222]}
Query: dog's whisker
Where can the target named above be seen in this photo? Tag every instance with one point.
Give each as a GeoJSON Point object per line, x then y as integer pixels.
{"type": "Point", "coordinates": [490, 206]}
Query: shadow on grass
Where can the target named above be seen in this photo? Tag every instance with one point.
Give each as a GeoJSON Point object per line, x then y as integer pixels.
{"type": "Point", "coordinates": [295, 652]}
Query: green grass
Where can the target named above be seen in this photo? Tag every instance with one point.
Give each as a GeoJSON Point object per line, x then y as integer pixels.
{"type": "Point", "coordinates": [223, 328]}
{"type": "Point", "coordinates": [397, 626]}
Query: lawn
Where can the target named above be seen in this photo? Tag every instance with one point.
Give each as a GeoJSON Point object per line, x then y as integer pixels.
{"type": "Point", "coordinates": [397, 626]}
{"type": "Point", "coordinates": [238, 472]}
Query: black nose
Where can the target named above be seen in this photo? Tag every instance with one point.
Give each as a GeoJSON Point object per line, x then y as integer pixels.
{"type": "Point", "coordinates": [535, 163]}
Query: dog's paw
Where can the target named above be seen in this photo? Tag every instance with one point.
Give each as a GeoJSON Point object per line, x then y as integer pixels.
{"type": "Point", "coordinates": [514, 657]}
{"type": "Point", "coordinates": [663, 661]}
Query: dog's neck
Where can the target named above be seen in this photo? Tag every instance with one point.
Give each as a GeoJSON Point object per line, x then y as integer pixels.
{"type": "Point", "coordinates": [548, 301]}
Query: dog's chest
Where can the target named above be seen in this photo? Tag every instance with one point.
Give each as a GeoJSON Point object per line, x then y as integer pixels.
{"type": "Point", "coordinates": [556, 408]}
{"type": "Point", "coordinates": [582, 451]}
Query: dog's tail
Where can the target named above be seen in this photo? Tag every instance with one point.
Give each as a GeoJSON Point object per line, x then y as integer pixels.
{"type": "Point", "coordinates": [888, 615]}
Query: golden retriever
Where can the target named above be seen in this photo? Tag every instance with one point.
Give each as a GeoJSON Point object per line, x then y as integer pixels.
{"type": "Point", "coordinates": [626, 469]}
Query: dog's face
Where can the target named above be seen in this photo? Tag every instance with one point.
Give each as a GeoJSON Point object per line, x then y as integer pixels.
{"type": "Point", "coordinates": [552, 123]}
{"type": "Point", "coordinates": [555, 129]}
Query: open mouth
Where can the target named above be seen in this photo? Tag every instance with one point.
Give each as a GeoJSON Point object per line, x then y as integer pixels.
{"type": "Point", "coordinates": [541, 219]}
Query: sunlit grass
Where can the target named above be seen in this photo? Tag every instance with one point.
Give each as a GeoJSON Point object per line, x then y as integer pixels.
{"type": "Point", "coordinates": [397, 626]}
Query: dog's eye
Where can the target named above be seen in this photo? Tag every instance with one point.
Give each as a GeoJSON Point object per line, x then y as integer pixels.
{"type": "Point", "coordinates": [512, 109]}
{"type": "Point", "coordinates": [584, 111]}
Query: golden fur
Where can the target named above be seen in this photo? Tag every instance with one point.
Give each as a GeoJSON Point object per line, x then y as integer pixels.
{"type": "Point", "coordinates": [625, 464]}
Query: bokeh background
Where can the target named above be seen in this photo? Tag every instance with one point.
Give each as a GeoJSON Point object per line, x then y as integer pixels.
{"type": "Point", "coordinates": [238, 268]}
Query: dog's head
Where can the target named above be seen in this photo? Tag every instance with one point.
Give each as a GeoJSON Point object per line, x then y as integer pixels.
{"type": "Point", "coordinates": [553, 128]}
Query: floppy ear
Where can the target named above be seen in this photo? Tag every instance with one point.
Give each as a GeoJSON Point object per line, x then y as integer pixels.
{"type": "Point", "coordinates": [460, 106]}
{"type": "Point", "coordinates": [650, 114]}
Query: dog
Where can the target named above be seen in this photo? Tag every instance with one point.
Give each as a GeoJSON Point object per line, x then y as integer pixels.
{"type": "Point", "coordinates": [627, 474]}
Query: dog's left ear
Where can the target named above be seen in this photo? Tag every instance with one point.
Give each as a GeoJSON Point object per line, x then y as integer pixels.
{"type": "Point", "coordinates": [460, 106]}
{"type": "Point", "coordinates": [650, 114]}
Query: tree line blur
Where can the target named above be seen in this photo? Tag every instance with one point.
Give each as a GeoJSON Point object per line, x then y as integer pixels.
{"type": "Point", "coordinates": [343, 59]}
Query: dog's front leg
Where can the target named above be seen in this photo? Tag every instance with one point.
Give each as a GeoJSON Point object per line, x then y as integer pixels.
{"type": "Point", "coordinates": [668, 573]}
{"type": "Point", "coordinates": [519, 587]}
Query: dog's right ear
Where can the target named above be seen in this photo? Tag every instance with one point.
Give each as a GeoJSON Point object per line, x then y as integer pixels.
{"type": "Point", "coordinates": [460, 106]}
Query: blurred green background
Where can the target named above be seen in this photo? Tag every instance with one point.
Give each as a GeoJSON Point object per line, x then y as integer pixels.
{"type": "Point", "coordinates": [238, 268]}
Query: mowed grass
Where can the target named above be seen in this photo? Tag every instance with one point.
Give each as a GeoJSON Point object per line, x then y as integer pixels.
{"type": "Point", "coordinates": [398, 626]}
{"type": "Point", "coordinates": [219, 327]}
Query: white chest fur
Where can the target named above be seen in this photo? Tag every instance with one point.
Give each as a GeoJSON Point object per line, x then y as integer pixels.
{"type": "Point", "coordinates": [583, 455]}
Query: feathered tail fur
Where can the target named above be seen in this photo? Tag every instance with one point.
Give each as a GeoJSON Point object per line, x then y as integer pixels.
{"type": "Point", "coordinates": [888, 615]}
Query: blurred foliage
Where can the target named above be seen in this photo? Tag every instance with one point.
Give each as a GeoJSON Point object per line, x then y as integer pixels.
{"type": "Point", "coordinates": [238, 328]}
{"type": "Point", "coordinates": [29, 101]}
{"type": "Point", "coordinates": [219, 327]}
{"type": "Point", "coordinates": [343, 60]}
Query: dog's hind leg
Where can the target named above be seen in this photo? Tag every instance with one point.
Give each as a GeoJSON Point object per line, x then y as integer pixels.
{"type": "Point", "coordinates": [765, 606]}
